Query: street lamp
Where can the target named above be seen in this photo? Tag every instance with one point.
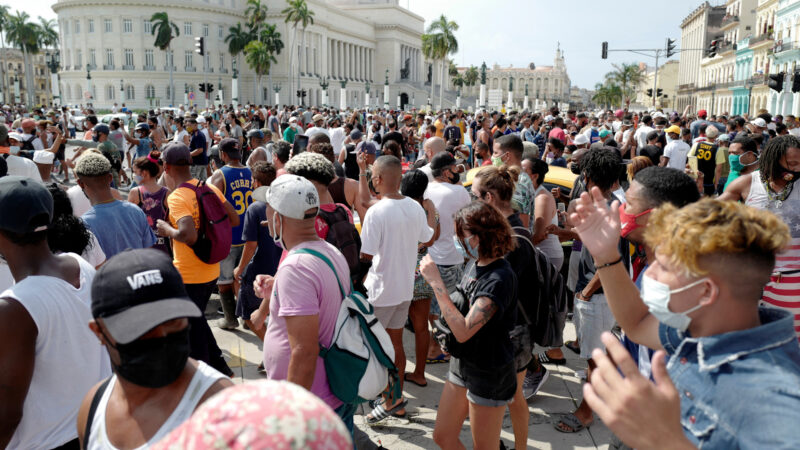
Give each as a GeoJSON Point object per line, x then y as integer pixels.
{"type": "Point", "coordinates": [323, 83]}
{"type": "Point", "coordinates": [366, 88]}
{"type": "Point", "coordinates": [121, 91]}
{"type": "Point", "coordinates": [89, 82]}
{"type": "Point", "coordinates": [53, 60]}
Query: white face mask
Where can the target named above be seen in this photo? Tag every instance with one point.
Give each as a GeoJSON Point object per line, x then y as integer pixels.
{"type": "Point", "coordinates": [277, 235]}
{"type": "Point", "coordinates": [656, 295]}
{"type": "Point", "coordinates": [14, 149]}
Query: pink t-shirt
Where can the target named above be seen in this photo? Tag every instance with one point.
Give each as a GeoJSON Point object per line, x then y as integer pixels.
{"type": "Point", "coordinates": [304, 286]}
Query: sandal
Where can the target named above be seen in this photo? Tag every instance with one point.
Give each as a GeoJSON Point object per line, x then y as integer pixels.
{"type": "Point", "coordinates": [406, 378]}
{"type": "Point", "coordinates": [442, 358]}
{"type": "Point", "coordinates": [570, 420]}
{"type": "Point", "coordinates": [544, 359]}
{"type": "Point", "coordinates": [379, 412]}
{"type": "Point", "coordinates": [574, 346]}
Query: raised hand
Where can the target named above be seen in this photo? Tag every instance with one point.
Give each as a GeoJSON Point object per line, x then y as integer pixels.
{"type": "Point", "coordinates": [598, 225]}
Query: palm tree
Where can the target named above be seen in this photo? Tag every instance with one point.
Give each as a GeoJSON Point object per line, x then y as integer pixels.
{"type": "Point", "coordinates": [429, 51]}
{"type": "Point", "coordinates": [48, 39]}
{"type": "Point", "coordinates": [626, 77]}
{"type": "Point", "coordinates": [257, 14]}
{"type": "Point", "coordinates": [297, 12]}
{"type": "Point", "coordinates": [445, 44]}
{"type": "Point", "coordinates": [607, 94]}
{"type": "Point", "coordinates": [259, 58]}
{"type": "Point", "coordinates": [237, 40]}
{"type": "Point", "coordinates": [471, 76]}
{"type": "Point", "coordinates": [272, 39]}
{"type": "Point", "coordinates": [24, 34]}
{"type": "Point", "coordinates": [4, 22]}
{"type": "Point", "coordinates": [165, 31]}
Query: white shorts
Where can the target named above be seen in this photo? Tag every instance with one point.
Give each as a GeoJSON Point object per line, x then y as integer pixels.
{"type": "Point", "coordinates": [592, 319]}
{"type": "Point", "coordinates": [392, 317]}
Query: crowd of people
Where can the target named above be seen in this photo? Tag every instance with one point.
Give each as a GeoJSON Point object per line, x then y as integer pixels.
{"type": "Point", "coordinates": [674, 250]}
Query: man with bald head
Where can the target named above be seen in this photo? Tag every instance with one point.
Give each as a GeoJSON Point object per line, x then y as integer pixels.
{"type": "Point", "coordinates": [391, 230]}
{"type": "Point", "coordinates": [431, 147]}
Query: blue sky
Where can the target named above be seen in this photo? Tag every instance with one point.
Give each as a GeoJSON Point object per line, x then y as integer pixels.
{"type": "Point", "coordinates": [522, 31]}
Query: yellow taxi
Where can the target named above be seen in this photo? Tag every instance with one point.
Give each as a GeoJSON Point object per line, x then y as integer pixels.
{"type": "Point", "coordinates": [560, 177]}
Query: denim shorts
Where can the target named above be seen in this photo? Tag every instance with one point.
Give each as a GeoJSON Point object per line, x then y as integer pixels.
{"type": "Point", "coordinates": [490, 387]}
{"type": "Point", "coordinates": [451, 275]}
{"type": "Point", "coordinates": [593, 318]}
{"type": "Point", "coordinates": [227, 265]}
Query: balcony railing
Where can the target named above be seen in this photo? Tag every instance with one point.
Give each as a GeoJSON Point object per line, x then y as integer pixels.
{"type": "Point", "coordinates": [150, 68]}
{"type": "Point", "coordinates": [782, 46]}
{"type": "Point", "coordinates": [127, 67]}
{"type": "Point", "coordinates": [728, 20]}
{"type": "Point", "coordinates": [682, 87]}
{"type": "Point", "coordinates": [190, 69]}
{"type": "Point", "coordinates": [108, 66]}
{"type": "Point", "coordinates": [166, 68]}
{"type": "Point", "coordinates": [760, 38]}
{"type": "Point", "coordinates": [223, 70]}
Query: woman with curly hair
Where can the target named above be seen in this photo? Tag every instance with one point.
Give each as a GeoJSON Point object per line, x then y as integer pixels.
{"type": "Point", "coordinates": [68, 233]}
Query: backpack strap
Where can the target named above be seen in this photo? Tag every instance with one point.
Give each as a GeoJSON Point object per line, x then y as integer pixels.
{"type": "Point", "coordinates": [327, 261]}
{"type": "Point", "coordinates": [98, 394]}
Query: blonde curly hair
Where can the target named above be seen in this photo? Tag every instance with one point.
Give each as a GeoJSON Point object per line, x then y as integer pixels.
{"type": "Point", "coordinates": [723, 237]}
{"type": "Point", "coordinates": [92, 164]}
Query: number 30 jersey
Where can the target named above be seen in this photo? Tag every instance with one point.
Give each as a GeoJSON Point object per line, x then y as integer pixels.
{"type": "Point", "coordinates": [238, 192]}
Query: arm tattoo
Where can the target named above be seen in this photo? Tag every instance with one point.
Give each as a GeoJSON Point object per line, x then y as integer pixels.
{"type": "Point", "coordinates": [480, 313]}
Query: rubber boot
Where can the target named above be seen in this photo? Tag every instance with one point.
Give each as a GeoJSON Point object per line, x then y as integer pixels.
{"type": "Point", "coordinates": [228, 302]}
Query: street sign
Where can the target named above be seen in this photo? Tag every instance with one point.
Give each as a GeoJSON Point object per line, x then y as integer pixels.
{"type": "Point", "coordinates": [87, 95]}
{"type": "Point", "coordinates": [191, 95]}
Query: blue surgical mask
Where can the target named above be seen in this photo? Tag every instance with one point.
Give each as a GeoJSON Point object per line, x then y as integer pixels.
{"type": "Point", "coordinates": [14, 149]}
{"type": "Point", "coordinates": [470, 251]}
{"type": "Point", "coordinates": [137, 179]}
{"type": "Point", "coordinates": [174, 128]}
{"type": "Point", "coordinates": [656, 295]}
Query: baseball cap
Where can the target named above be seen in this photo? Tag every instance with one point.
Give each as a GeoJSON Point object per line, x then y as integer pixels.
{"type": "Point", "coordinates": [604, 133]}
{"type": "Point", "coordinates": [102, 128]}
{"type": "Point", "coordinates": [673, 129]}
{"type": "Point", "coordinates": [293, 120]}
{"type": "Point", "coordinates": [16, 136]}
{"type": "Point", "coordinates": [759, 122]}
{"type": "Point", "coordinates": [177, 154]}
{"type": "Point", "coordinates": [30, 201]}
{"type": "Point", "coordinates": [92, 164]}
{"type": "Point", "coordinates": [201, 119]}
{"type": "Point", "coordinates": [137, 290]}
{"type": "Point", "coordinates": [292, 196]}
{"type": "Point", "coordinates": [332, 120]}
{"type": "Point", "coordinates": [367, 147]}
{"type": "Point", "coordinates": [258, 134]}
{"type": "Point", "coordinates": [356, 134]}
{"type": "Point", "coordinates": [231, 147]}
{"type": "Point", "coordinates": [442, 160]}
{"type": "Point", "coordinates": [43, 157]}
{"type": "Point", "coordinates": [142, 126]}
{"type": "Point", "coordinates": [619, 113]}
{"type": "Point", "coordinates": [580, 139]}
{"type": "Point", "coordinates": [702, 113]}
{"type": "Point", "coordinates": [549, 118]}
{"type": "Point", "coordinates": [317, 117]}
{"type": "Point", "coordinates": [724, 137]}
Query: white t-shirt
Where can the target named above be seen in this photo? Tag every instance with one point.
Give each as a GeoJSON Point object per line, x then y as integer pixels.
{"type": "Point", "coordinates": [448, 199]}
{"type": "Point", "coordinates": [69, 359]}
{"type": "Point", "coordinates": [390, 232]}
{"type": "Point", "coordinates": [178, 137]}
{"type": "Point", "coordinates": [426, 169]}
{"type": "Point", "coordinates": [641, 135]}
{"type": "Point", "coordinates": [6, 279]}
{"type": "Point", "coordinates": [337, 139]}
{"type": "Point", "coordinates": [94, 254]}
{"type": "Point", "coordinates": [676, 151]}
{"type": "Point", "coordinates": [80, 202]}
{"type": "Point", "coordinates": [317, 130]}
{"type": "Point", "coordinates": [208, 138]}
{"type": "Point", "coordinates": [23, 167]}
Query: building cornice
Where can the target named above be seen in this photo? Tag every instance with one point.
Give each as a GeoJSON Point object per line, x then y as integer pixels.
{"type": "Point", "coordinates": [177, 4]}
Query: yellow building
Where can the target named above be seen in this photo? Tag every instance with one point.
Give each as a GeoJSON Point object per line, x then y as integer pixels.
{"type": "Point", "coordinates": [668, 83]}
{"type": "Point", "coordinates": [14, 66]}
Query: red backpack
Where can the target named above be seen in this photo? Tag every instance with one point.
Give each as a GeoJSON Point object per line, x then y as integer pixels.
{"type": "Point", "coordinates": [214, 237]}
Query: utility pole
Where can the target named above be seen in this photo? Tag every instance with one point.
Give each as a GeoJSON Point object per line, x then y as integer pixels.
{"type": "Point", "coordinates": [199, 44]}
{"type": "Point", "coordinates": [655, 80]}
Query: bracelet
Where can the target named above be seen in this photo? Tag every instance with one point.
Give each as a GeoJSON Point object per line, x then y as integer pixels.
{"type": "Point", "coordinates": [603, 266]}
{"type": "Point", "coordinates": [362, 174]}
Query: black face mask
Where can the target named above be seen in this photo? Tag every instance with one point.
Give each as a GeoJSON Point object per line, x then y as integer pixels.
{"type": "Point", "coordinates": [790, 175]}
{"type": "Point", "coordinates": [154, 362]}
{"type": "Point", "coordinates": [575, 168]}
{"type": "Point", "coordinates": [454, 178]}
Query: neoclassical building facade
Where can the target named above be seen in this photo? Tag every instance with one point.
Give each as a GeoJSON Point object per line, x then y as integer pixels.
{"type": "Point", "coordinates": [353, 45]}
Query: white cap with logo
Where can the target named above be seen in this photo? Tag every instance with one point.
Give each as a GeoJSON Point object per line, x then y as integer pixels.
{"type": "Point", "coordinates": [291, 196]}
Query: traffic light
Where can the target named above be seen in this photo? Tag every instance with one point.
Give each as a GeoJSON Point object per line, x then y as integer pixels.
{"type": "Point", "coordinates": [712, 49]}
{"type": "Point", "coordinates": [209, 88]}
{"type": "Point", "coordinates": [776, 82]}
{"type": "Point", "coordinates": [199, 46]}
{"type": "Point", "coordinates": [659, 92]}
{"type": "Point", "coordinates": [202, 87]}
{"type": "Point", "coordinates": [605, 50]}
{"type": "Point", "coordinates": [796, 82]}
{"type": "Point", "coordinates": [649, 92]}
{"type": "Point", "coordinates": [670, 47]}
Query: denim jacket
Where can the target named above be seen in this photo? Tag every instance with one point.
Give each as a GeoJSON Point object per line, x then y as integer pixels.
{"type": "Point", "coordinates": [739, 389]}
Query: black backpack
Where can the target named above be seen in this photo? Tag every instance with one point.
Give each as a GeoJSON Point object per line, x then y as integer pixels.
{"type": "Point", "coordinates": [343, 235]}
{"type": "Point", "coordinates": [28, 143]}
{"type": "Point", "coordinates": [545, 300]}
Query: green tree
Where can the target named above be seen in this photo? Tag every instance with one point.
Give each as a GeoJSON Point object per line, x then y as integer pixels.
{"type": "Point", "coordinates": [607, 94]}
{"type": "Point", "coordinates": [259, 58]}
{"type": "Point", "coordinates": [271, 37]}
{"type": "Point", "coordinates": [4, 23]}
{"type": "Point", "coordinates": [25, 35]}
{"type": "Point", "coordinates": [429, 51]}
{"type": "Point", "coordinates": [237, 40]}
{"type": "Point", "coordinates": [48, 38]}
{"type": "Point", "coordinates": [626, 77]}
{"type": "Point", "coordinates": [257, 14]}
{"type": "Point", "coordinates": [471, 76]}
{"type": "Point", "coordinates": [165, 31]}
{"type": "Point", "coordinates": [444, 44]}
{"type": "Point", "coordinates": [297, 13]}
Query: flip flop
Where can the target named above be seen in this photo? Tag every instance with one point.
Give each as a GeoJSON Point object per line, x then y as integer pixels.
{"type": "Point", "coordinates": [442, 358]}
{"type": "Point", "coordinates": [572, 421]}
{"type": "Point", "coordinates": [572, 345]}
{"type": "Point", "coordinates": [380, 413]}
{"type": "Point", "coordinates": [405, 377]}
{"type": "Point", "coordinates": [544, 359]}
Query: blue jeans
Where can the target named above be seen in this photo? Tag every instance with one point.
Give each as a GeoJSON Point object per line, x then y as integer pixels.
{"type": "Point", "coordinates": [346, 412]}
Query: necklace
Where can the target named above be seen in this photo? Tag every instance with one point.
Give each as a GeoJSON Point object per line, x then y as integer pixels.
{"type": "Point", "coordinates": [777, 198]}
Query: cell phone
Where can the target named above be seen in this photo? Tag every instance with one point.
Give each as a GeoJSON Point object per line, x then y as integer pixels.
{"type": "Point", "coordinates": [300, 144]}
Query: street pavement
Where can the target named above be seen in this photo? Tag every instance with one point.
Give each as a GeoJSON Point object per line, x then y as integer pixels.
{"type": "Point", "coordinates": [561, 393]}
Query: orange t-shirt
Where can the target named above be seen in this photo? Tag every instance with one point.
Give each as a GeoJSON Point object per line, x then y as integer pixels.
{"type": "Point", "coordinates": [182, 202]}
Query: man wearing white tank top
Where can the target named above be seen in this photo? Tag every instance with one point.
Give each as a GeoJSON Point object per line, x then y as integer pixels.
{"type": "Point", "coordinates": [141, 312]}
{"type": "Point", "coordinates": [47, 353]}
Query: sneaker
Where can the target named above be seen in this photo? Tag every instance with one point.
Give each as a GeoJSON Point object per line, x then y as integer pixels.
{"type": "Point", "coordinates": [533, 382]}
{"type": "Point", "coordinates": [225, 325]}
